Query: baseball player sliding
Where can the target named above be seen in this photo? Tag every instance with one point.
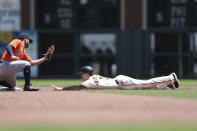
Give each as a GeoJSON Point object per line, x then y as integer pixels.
{"type": "Point", "coordinates": [120, 82]}
{"type": "Point", "coordinates": [16, 60]}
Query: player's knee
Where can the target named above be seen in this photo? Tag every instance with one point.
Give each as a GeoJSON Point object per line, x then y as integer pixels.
{"type": "Point", "coordinates": [27, 68]}
{"type": "Point", "coordinates": [23, 63]}
{"type": "Point", "coordinates": [27, 63]}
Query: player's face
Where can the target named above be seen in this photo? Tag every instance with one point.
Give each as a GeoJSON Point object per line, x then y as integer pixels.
{"type": "Point", "coordinates": [26, 43]}
{"type": "Point", "coordinates": [85, 76]}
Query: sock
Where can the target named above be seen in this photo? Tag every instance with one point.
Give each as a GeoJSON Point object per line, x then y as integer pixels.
{"type": "Point", "coordinates": [27, 73]}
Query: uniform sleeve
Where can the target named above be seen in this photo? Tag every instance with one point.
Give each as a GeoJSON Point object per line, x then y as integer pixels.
{"type": "Point", "coordinates": [14, 43]}
{"type": "Point", "coordinates": [26, 56]}
{"type": "Point", "coordinates": [9, 50]}
{"type": "Point", "coordinates": [90, 83]}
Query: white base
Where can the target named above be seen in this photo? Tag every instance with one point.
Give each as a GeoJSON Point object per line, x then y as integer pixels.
{"type": "Point", "coordinates": [7, 89]}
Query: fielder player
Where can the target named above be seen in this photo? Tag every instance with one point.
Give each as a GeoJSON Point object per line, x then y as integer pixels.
{"type": "Point", "coordinates": [16, 60]}
{"type": "Point", "coordinates": [120, 82]}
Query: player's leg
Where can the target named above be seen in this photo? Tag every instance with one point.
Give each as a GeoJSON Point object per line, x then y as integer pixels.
{"type": "Point", "coordinates": [18, 66]}
{"type": "Point", "coordinates": [128, 83]}
{"type": "Point", "coordinates": [11, 80]}
{"type": "Point", "coordinates": [170, 81]}
{"type": "Point", "coordinates": [27, 75]}
{"type": "Point", "coordinates": [131, 83]}
{"type": "Point", "coordinates": [25, 67]}
{"type": "Point", "coordinates": [4, 83]}
{"type": "Point", "coordinates": [160, 80]}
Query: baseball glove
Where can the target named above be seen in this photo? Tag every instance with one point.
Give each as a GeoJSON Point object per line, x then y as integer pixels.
{"type": "Point", "coordinates": [50, 52]}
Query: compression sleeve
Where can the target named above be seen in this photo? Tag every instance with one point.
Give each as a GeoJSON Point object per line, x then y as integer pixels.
{"type": "Point", "coordinates": [77, 87]}
{"type": "Point", "coordinates": [9, 50]}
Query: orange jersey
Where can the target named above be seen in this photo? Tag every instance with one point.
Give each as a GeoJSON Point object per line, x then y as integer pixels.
{"type": "Point", "coordinates": [18, 50]}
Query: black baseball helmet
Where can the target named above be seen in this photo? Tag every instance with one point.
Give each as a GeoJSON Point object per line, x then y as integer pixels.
{"type": "Point", "coordinates": [86, 69]}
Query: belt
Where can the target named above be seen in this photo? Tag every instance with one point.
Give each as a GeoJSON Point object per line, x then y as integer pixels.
{"type": "Point", "coordinates": [117, 82]}
{"type": "Point", "coordinates": [1, 61]}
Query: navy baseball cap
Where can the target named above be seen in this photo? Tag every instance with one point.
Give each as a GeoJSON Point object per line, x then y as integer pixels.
{"type": "Point", "coordinates": [22, 36]}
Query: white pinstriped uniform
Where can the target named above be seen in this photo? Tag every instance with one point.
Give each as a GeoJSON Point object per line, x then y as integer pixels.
{"type": "Point", "coordinates": [127, 83]}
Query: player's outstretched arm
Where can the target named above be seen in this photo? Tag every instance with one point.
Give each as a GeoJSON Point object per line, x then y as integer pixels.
{"type": "Point", "coordinates": [75, 87]}
{"type": "Point", "coordinates": [38, 61]}
{"type": "Point", "coordinates": [56, 88]}
{"type": "Point", "coordinates": [47, 56]}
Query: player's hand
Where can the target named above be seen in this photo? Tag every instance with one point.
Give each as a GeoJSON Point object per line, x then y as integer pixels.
{"type": "Point", "coordinates": [45, 58]}
{"type": "Point", "coordinates": [15, 57]}
{"type": "Point", "coordinates": [56, 88]}
{"type": "Point", "coordinates": [50, 51]}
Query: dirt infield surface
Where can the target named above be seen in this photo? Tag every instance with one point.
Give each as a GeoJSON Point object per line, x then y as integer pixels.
{"type": "Point", "coordinates": [48, 106]}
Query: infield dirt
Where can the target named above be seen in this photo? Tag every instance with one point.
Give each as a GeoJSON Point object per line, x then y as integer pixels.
{"type": "Point", "coordinates": [71, 107]}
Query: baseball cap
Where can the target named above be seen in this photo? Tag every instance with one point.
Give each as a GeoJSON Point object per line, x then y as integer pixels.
{"type": "Point", "coordinates": [24, 35]}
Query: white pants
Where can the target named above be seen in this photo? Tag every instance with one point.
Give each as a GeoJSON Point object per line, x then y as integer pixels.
{"type": "Point", "coordinates": [129, 83]}
{"type": "Point", "coordinates": [8, 70]}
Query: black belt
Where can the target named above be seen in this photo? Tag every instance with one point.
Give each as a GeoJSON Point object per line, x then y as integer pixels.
{"type": "Point", "coordinates": [1, 61]}
{"type": "Point", "coordinates": [117, 82]}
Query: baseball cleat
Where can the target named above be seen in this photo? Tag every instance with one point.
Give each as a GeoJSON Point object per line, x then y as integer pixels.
{"type": "Point", "coordinates": [176, 81]}
{"type": "Point", "coordinates": [171, 86]}
{"type": "Point", "coordinates": [30, 88]}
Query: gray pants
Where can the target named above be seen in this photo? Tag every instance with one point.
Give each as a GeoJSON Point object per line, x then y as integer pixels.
{"type": "Point", "coordinates": [8, 70]}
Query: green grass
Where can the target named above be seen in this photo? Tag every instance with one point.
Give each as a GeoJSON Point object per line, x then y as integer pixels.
{"type": "Point", "coordinates": [103, 128]}
{"type": "Point", "coordinates": [188, 82]}
{"type": "Point", "coordinates": [48, 82]}
{"type": "Point", "coordinates": [189, 94]}
{"type": "Point", "coordinates": [68, 82]}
